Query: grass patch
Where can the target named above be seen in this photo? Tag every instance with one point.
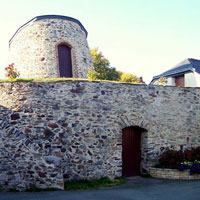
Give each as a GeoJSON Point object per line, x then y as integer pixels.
{"type": "Point", "coordinates": [93, 184]}
{"type": "Point", "coordinates": [42, 79]}
{"type": "Point", "coordinates": [77, 185]}
{"type": "Point", "coordinates": [9, 190]}
{"type": "Point", "coordinates": [146, 175]}
{"type": "Point", "coordinates": [58, 80]}
{"type": "Point", "coordinates": [36, 189]}
{"type": "Point", "coordinates": [13, 190]}
{"type": "Point", "coordinates": [17, 80]}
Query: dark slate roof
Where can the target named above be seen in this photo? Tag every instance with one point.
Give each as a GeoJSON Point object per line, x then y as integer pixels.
{"type": "Point", "coordinates": [187, 65]}
{"type": "Point", "coordinates": [49, 17]}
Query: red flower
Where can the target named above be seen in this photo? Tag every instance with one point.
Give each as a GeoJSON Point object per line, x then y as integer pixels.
{"type": "Point", "coordinates": [11, 71]}
{"type": "Point", "coordinates": [164, 157]}
{"type": "Point", "coordinates": [172, 161]}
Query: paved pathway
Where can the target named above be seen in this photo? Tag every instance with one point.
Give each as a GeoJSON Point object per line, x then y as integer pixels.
{"type": "Point", "coordinates": [136, 189]}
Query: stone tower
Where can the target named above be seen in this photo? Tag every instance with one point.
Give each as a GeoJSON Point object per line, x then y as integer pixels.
{"type": "Point", "coordinates": [51, 46]}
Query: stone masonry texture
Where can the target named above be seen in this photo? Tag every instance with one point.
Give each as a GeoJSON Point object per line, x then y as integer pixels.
{"type": "Point", "coordinates": [34, 51]}
{"type": "Point", "coordinates": [172, 174]}
{"type": "Point", "coordinates": [55, 131]}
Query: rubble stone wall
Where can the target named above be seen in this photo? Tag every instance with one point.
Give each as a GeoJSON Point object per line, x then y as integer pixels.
{"type": "Point", "coordinates": [55, 131]}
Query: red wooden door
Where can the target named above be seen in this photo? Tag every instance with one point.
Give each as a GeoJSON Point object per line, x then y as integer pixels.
{"type": "Point", "coordinates": [131, 153]}
{"type": "Point", "coordinates": [64, 59]}
{"type": "Point", "coordinates": [179, 81]}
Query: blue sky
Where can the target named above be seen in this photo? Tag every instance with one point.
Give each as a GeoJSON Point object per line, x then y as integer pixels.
{"type": "Point", "coordinates": [144, 37]}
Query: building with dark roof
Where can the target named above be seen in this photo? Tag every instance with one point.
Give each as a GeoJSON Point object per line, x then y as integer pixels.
{"type": "Point", "coordinates": [185, 74]}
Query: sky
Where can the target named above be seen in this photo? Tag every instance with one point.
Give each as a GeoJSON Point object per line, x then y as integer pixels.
{"type": "Point", "coordinates": [143, 37]}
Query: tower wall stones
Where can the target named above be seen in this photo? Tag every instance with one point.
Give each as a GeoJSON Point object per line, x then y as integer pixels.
{"type": "Point", "coordinates": [55, 131]}
{"type": "Point", "coordinates": [34, 47]}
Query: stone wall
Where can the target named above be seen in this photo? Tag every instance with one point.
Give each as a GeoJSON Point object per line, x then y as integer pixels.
{"type": "Point", "coordinates": [172, 174]}
{"type": "Point", "coordinates": [33, 48]}
{"type": "Point", "coordinates": [54, 131]}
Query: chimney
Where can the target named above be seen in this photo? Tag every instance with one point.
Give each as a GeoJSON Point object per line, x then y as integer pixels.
{"type": "Point", "coordinates": [141, 80]}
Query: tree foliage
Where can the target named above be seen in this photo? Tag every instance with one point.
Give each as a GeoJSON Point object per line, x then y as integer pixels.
{"type": "Point", "coordinates": [129, 78]}
{"type": "Point", "coordinates": [103, 71]}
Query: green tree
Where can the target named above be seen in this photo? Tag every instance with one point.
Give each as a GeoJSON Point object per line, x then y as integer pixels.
{"type": "Point", "coordinates": [129, 78]}
{"type": "Point", "coordinates": [102, 69]}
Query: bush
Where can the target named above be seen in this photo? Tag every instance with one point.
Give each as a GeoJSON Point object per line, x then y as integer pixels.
{"type": "Point", "coordinates": [171, 159]}
{"type": "Point", "coordinates": [181, 160]}
{"type": "Point", "coordinates": [129, 78]}
{"type": "Point", "coordinates": [11, 71]}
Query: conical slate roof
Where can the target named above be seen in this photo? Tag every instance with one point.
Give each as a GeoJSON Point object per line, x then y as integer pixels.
{"type": "Point", "coordinates": [48, 17]}
{"type": "Point", "coordinates": [187, 65]}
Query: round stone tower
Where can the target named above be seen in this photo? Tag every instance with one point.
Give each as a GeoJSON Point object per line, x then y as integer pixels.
{"type": "Point", "coordinates": [51, 46]}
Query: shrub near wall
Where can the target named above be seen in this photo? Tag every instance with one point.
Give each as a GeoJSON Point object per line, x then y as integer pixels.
{"type": "Point", "coordinates": [56, 131]}
{"type": "Point", "coordinates": [185, 164]}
